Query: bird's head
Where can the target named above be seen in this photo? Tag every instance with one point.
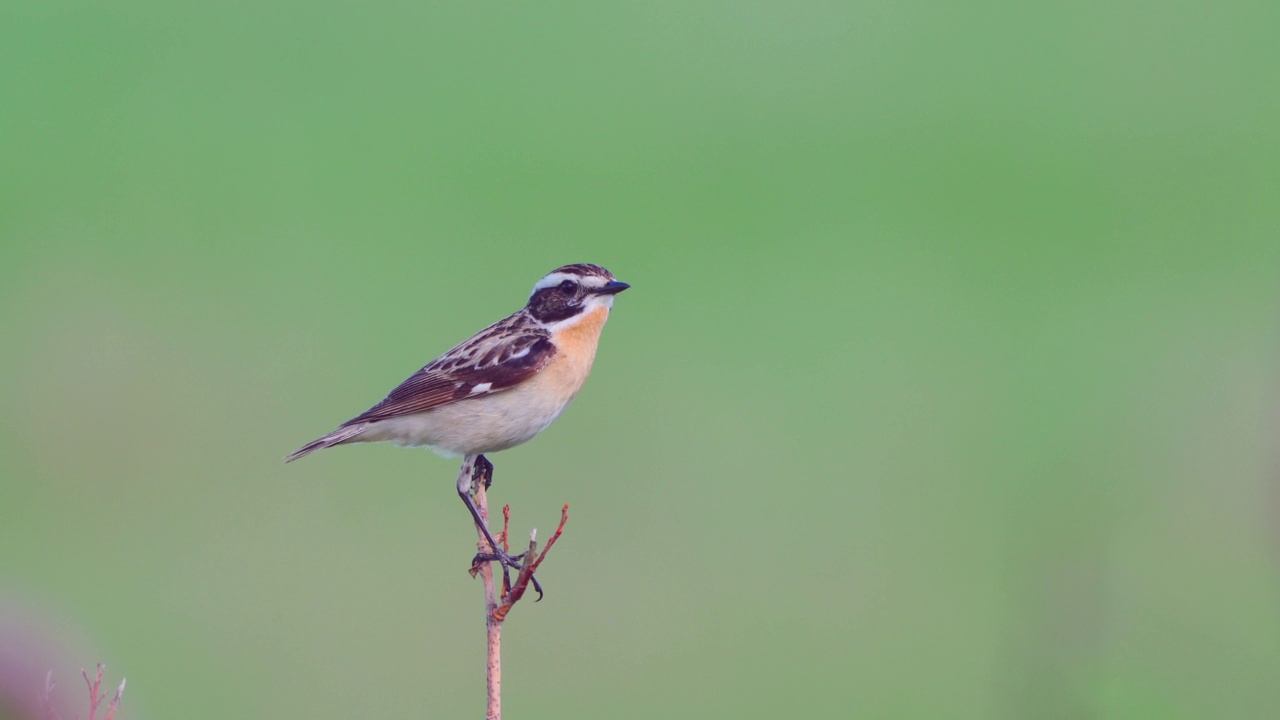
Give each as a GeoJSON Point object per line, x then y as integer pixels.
{"type": "Point", "coordinates": [572, 290]}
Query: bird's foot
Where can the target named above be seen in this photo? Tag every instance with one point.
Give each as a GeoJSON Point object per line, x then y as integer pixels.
{"type": "Point", "coordinates": [509, 562]}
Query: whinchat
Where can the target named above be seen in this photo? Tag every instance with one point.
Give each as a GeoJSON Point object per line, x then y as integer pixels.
{"type": "Point", "coordinates": [501, 387]}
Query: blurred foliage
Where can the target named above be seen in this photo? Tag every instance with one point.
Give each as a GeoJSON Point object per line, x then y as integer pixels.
{"type": "Point", "coordinates": [945, 388]}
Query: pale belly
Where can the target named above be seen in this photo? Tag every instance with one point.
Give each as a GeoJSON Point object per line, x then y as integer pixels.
{"type": "Point", "coordinates": [481, 425]}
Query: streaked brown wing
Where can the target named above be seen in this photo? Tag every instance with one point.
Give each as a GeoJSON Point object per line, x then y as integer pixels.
{"type": "Point", "coordinates": [501, 356]}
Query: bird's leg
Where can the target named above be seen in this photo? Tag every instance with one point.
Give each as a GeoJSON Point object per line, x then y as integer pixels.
{"type": "Point", "coordinates": [478, 468]}
{"type": "Point", "coordinates": [483, 471]}
{"type": "Point", "coordinates": [466, 479]}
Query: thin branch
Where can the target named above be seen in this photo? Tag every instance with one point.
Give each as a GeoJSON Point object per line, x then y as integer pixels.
{"type": "Point", "coordinates": [499, 603]}
{"type": "Point", "coordinates": [506, 548]}
{"type": "Point", "coordinates": [493, 629]}
{"type": "Point", "coordinates": [506, 525]}
{"type": "Point", "coordinates": [94, 686]}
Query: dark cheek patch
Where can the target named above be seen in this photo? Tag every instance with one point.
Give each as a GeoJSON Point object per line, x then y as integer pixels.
{"type": "Point", "coordinates": [551, 305]}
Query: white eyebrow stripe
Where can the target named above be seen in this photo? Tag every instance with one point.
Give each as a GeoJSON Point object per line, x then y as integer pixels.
{"type": "Point", "coordinates": [554, 279]}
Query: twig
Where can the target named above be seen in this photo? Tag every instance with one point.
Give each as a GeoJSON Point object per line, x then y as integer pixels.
{"type": "Point", "coordinates": [115, 702]}
{"type": "Point", "coordinates": [506, 547]}
{"type": "Point", "coordinates": [506, 525]}
{"type": "Point", "coordinates": [532, 561]}
{"type": "Point", "coordinates": [95, 699]}
{"type": "Point", "coordinates": [46, 700]}
{"type": "Point", "coordinates": [497, 606]}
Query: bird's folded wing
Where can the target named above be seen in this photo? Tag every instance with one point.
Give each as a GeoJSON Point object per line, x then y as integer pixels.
{"type": "Point", "coordinates": [486, 364]}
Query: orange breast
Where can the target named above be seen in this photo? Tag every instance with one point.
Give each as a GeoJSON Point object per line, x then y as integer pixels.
{"type": "Point", "coordinates": [583, 335]}
{"type": "Point", "coordinates": [575, 351]}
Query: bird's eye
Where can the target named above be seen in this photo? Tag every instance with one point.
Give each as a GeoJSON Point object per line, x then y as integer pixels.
{"type": "Point", "coordinates": [567, 285]}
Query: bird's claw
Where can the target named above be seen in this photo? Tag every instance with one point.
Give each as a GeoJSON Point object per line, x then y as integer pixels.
{"type": "Point", "coordinates": [508, 562]}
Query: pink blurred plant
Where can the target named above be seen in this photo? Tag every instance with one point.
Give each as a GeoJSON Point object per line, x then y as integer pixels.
{"type": "Point", "coordinates": [96, 695]}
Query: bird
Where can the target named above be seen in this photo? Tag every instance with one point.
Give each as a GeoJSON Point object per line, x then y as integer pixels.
{"type": "Point", "coordinates": [497, 389]}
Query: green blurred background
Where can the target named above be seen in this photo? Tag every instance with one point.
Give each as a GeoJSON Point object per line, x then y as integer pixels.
{"type": "Point", "coordinates": [945, 388]}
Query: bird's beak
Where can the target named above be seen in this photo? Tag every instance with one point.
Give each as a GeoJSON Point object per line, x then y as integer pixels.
{"type": "Point", "coordinates": [613, 287]}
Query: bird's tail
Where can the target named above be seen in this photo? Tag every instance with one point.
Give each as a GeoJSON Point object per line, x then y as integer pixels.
{"type": "Point", "coordinates": [337, 437]}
